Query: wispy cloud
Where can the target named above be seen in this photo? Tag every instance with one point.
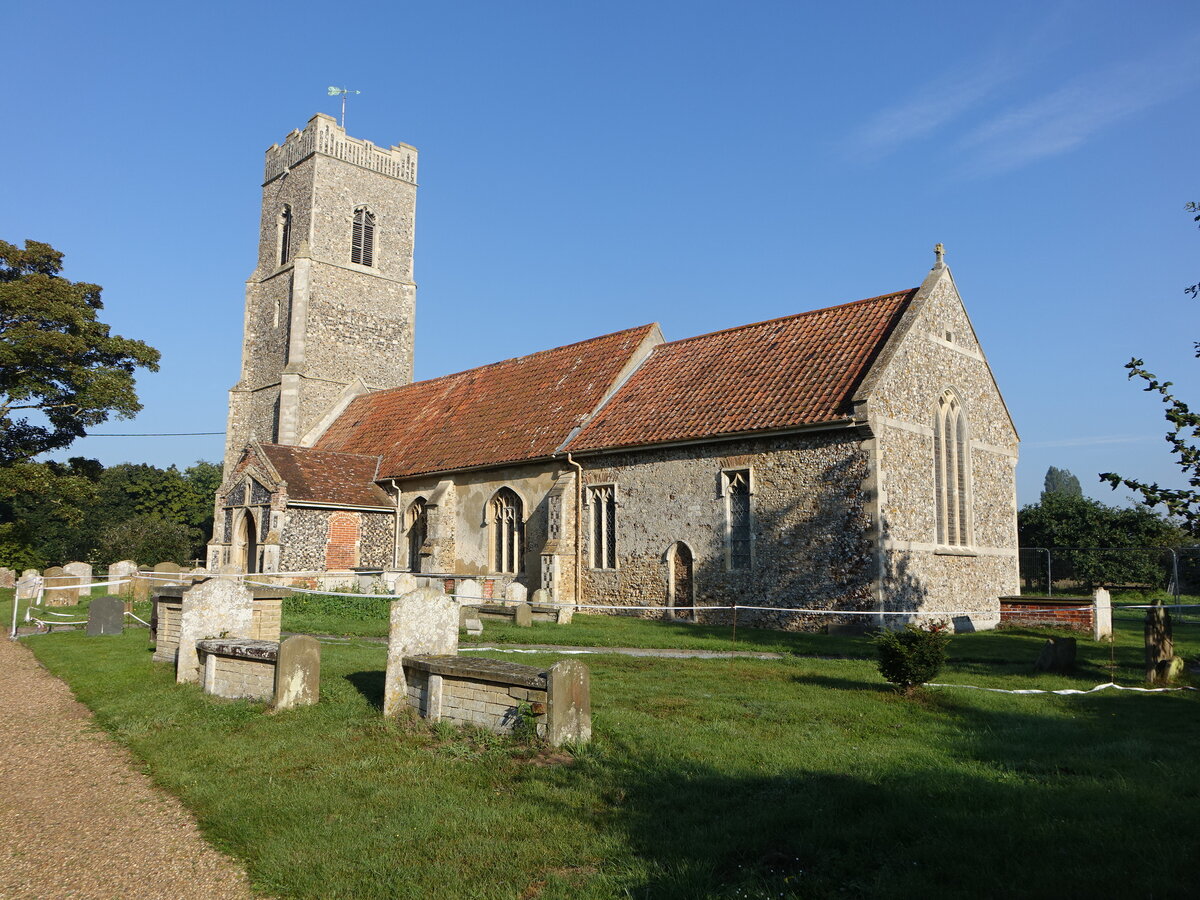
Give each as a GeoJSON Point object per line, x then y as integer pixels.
{"type": "Point", "coordinates": [1090, 441]}
{"type": "Point", "coordinates": [1067, 117]}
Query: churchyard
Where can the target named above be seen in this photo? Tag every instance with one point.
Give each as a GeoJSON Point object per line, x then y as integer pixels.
{"type": "Point", "coordinates": [798, 776]}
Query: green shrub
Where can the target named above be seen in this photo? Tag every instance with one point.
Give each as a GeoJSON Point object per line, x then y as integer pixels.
{"type": "Point", "coordinates": [913, 656]}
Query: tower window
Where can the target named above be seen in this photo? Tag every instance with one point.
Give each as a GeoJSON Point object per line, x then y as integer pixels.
{"type": "Point", "coordinates": [362, 246]}
{"type": "Point", "coordinates": [285, 234]}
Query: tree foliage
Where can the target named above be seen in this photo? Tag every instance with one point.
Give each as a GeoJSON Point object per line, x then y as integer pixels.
{"type": "Point", "coordinates": [58, 361]}
{"type": "Point", "coordinates": [1061, 481]}
{"type": "Point", "coordinates": [1090, 542]}
{"type": "Point", "coordinates": [146, 538]}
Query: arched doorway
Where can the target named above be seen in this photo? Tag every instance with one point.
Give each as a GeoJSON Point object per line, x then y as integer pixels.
{"type": "Point", "coordinates": [680, 582]}
{"type": "Point", "coordinates": [418, 527]}
{"type": "Point", "coordinates": [247, 544]}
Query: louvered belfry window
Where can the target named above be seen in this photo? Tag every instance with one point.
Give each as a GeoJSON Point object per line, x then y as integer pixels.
{"type": "Point", "coordinates": [362, 246]}
{"type": "Point", "coordinates": [603, 502]}
{"type": "Point", "coordinates": [285, 234]}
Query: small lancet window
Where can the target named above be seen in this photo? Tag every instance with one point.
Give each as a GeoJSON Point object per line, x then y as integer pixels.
{"type": "Point", "coordinates": [362, 245]}
{"type": "Point", "coordinates": [738, 519]}
{"type": "Point", "coordinates": [285, 234]}
{"type": "Point", "coordinates": [418, 528]}
{"type": "Point", "coordinates": [603, 502]}
{"type": "Point", "coordinates": [951, 472]}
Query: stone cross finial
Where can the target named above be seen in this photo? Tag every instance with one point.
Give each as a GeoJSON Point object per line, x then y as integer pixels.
{"type": "Point", "coordinates": [940, 251]}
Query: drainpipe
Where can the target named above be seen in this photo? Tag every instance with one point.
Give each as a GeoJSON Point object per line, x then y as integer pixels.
{"type": "Point", "coordinates": [396, 528]}
{"type": "Point", "coordinates": [578, 523]}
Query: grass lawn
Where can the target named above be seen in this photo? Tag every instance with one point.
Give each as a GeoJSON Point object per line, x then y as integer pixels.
{"type": "Point", "coordinates": [707, 778]}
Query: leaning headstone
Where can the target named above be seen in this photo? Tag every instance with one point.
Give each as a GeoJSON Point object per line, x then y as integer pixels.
{"type": "Point", "coordinates": [523, 615]}
{"type": "Point", "coordinates": [515, 593]}
{"type": "Point", "coordinates": [1160, 646]}
{"type": "Point", "coordinates": [568, 703]}
{"type": "Point", "coordinates": [106, 615]}
{"type": "Point", "coordinates": [424, 621]}
{"type": "Point", "coordinates": [297, 672]}
{"type": "Point", "coordinates": [1058, 655]}
{"type": "Point", "coordinates": [469, 592]}
{"type": "Point", "coordinates": [564, 615]}
{"type": "Point", "coordinates": [60, 588]}
{"type": "Point", "coordinates": [1169, 670]}
{"type": "Point", "coordinates": [1102, 616]}
{"type": "Point", "coordinates": [28, 585]}
{"type": "Point", "coordinates": [8, 578]}
{"type": "Point", "coordinates": [216, 608]}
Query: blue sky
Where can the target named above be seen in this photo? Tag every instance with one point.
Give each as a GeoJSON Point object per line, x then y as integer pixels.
{"type": "Point", "coordinates": [588, 167]}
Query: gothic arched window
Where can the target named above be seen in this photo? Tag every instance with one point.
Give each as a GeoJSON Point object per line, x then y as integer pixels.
{"type": "Point", "coordinates": [952, 472]}
{"type": "Point", "coordinates": [418, 528]}
{"type": "Point", "coordinates": [285, 234]}
{"type": "Point", "coordinates": [362, 245]}
{"type": "Point", "coordinates": [506, 525]}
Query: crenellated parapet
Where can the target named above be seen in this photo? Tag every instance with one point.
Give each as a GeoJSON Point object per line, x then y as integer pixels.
{"type": "Point", "coordinates": [323, 135]}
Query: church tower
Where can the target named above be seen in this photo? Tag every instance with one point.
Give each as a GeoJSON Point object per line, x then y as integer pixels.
{"type": "Point", "coordinates": [330, 306]}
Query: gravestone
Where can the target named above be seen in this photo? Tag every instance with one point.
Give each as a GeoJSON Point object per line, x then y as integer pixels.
{"type": "Point", "coordinates": [399, 582]}
{"type": "Point", "coordinates": [106, 615]}
{"type": "Point", "coordinates": [568, 703]}
{"type": "Point", "coordinates": [515, 593]}
{"type": "Point", "coordinates": [28, 585]}
{"type": "Point", "coordinates": [297, 672]}
{"type": "Point", "coordinates": [122, 571]}
{"type": "Point", "coordinates": [565, 615]}
{"type": "Point", "coordinates": [523, 615]}
{"type": "Point", "coordinates": [1160, 646]}
{"type": "Point", "coordinates": [424, 621]}
{"type": "Point", "coordinates": [1058, 655]}
{"type": "Point", "coordinates": [60, 588]}
{"type": "Point", "coordinates": [143, 585]}
{"type": "Point", "coordinates": [469, 592]}
{"type": "Point", "coordinates": [8, 578]}
{"type": "Point", "coordinates": [541, 597]}
{"type": "Point", "coordinates": [217, 608]}
{"type": "Point", "coordinates": [1102, 616]}
{"type": "Point", "coordinates": [468, 619]}
{"type": "Point", "coordinates": [169, 573]}
{"type": "Point", "coordinates": [83, 572]}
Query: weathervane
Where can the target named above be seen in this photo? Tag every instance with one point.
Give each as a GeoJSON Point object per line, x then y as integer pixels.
{"type": "Point", "coordinates": [334, 91]}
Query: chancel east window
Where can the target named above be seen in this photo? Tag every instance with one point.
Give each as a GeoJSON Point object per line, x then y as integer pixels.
{"type": "Point", "coordinates": [285, 234]}
{"type": "Point", "coordinates": [362, 244]}
{"type": "Point", "coordinates": [951, 472]}
{"type": "Point", "coordinates": [603, 502]}
{"type": "Point", "coordinates": [738, 522]}
{"type": "Point", "coordinates": [506, 523]}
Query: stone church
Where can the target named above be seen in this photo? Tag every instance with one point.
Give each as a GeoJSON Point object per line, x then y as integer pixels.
{"type": "Point", "coordinates": [857, 457]}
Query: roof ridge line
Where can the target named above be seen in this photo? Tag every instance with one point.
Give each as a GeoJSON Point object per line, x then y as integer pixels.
{"type": "Point", "coordinates": [374, 456]}
{"type": "Point", "coordinates": [811, 312]}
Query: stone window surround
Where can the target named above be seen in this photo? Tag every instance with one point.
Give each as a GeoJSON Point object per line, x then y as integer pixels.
{"type": "Point", "coordinates": [412, 515]}
{"type": "Point", "coordinates": [283, 242]}
{"type": "Point", "coordinates": [954, 490]}
{"type": "Point", "coordinates": [369, 244]}
{"type": "Point", "coordinates": [490, 510]}
{"type": "Point", "coordinates": [591, 493]}
{"type": "Point", "coordinates": [727, 476]}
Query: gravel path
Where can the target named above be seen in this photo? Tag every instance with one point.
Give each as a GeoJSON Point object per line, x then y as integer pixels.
{"type": "Point", "coordinates": [77, 818]}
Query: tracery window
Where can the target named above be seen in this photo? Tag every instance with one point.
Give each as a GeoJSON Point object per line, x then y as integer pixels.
{"type": "Point", "coordinates": [951, 472]}
{"type": "Point", "coordinates": [738, 519]}
{"type": "Point", "coordinates": [362, 244]}
{"type": "Point", "coordinates": [506, 522]}
{"type": "Point", "coordinates": [418, 528]}
{"type": "Point", "coordinates": [602, 499]}
{"type": "Point", "coordinates": [285, 234]}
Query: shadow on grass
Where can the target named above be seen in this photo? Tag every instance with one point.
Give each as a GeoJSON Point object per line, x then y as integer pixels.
{"type": "Point", "coordinates": [843, 684]}
{"type": "Point", "coordinates": [370, 685]}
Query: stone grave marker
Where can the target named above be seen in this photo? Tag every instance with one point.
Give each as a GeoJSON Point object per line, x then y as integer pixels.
{"type": "Point", "coordinates": [515, 593]}
{"type": "Point", "coordinates": [8, 578]}
{"type": "Point", "coordinates": [1160, 643]}
{"type": "Point", "coordinates": [297, 672]}
{"type": "Point", "coordinates": [1058, 655]}
{"type": "Point", "coordinates": [217, 608]}
{"type": "Point", "coordinates": [469, 592]}
{"type": "Point", "coordinates": [424, 621]}
{"type": "Point", "coordinates": [60, 588]}
{"type": "Point", "coordinates": [568, 703]}
{"type": "Point", "coordinates": [106, 615]}
{"type": "Point", "coordinates": [125, 570]}
{"type": "Point", "coordinates": [1102, 616]}
{"type": "Point", "coordinates": [468, 619]}
{"type": "Point", "coordinates": [523, 615]}
{"type": "Point", "coordinates": [83, 573]}
{"type": "Point", "coordinates": [399, 583]}
{"type": "Point", "coordinates": [28, 585]}
{"type": "Point", "coordinates": [169, 573]}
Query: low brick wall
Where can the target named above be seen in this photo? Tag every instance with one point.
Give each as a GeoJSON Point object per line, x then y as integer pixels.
{"type": "Point", "coordinates": [496, 695]}
{"type": "Point", "coordinates": [238, 669]}
{"type": "Point", "coordinates": [1061, 612]}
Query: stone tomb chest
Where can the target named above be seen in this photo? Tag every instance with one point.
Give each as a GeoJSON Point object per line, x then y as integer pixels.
{"type": "Point", "coordinates": [168, 612]}
{"type": "Point", "coordinates": [287, 674]}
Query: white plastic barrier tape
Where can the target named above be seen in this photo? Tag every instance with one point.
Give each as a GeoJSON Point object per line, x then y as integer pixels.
{"type": "Point", "coordinates": [1100, 687]}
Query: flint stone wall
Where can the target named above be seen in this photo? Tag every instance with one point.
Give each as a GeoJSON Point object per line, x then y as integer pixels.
{"type": "Point", "coordinates": [810, 531]}
{"type": "Point", "coordinates": [306, 534]}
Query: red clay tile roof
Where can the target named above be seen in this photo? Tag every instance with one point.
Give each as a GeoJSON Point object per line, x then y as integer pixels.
{"type": "Point", "coordinates": [345, 479]}
{"type": "Point", "coordinates": [798, 370]}
{"type": "Point", "coordinates": [509, 411]}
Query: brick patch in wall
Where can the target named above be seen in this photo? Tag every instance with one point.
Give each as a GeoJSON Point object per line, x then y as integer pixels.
{"type": "Point", "coordinates": [341, 547]}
